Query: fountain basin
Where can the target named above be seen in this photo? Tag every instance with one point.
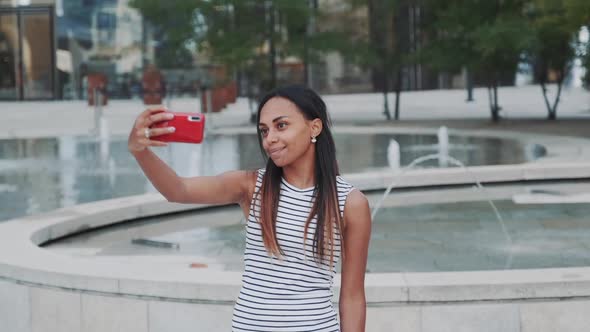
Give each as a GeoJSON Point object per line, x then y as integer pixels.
{"type": "Point", "coordinates": [49, 173]}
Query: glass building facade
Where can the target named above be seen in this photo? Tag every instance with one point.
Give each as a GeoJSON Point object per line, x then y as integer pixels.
{"type": "Point", "coordinates": [27, 53]}
{"type": "Point", "coordinates": [48, 48]}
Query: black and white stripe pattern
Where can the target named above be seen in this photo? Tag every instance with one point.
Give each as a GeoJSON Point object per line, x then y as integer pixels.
{"type": "Point", "coordinates": [293, 293]}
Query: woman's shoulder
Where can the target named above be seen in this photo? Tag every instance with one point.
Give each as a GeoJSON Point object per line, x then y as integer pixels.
{"type": "Point", "coordinates": [353, 202]}
{"type": "Point", "coordinates": [344, 188]}
{"type": "Point", "coordinates": [343, 184]}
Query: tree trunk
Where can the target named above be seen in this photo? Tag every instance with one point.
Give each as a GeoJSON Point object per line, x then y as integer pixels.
{"type": "Point", "coordinates": [493, 97]}
{"type": "Point", "coordinates": [377, 39]}
{"type": "Point", "coordinates": [469, 84]}
{"type": "Point", "coordinates": [386, 100]}
{"type": "Point", "coordinates": [552, 109]}
{"type": "Point", "coordinates": [490, 98]}
{"type": "Point", "coordinates": [398, 90]}
{"type": "Point", "coordinates": [553, 114]}
{"type": "Point", "coordinates": [546, 98]}
{"type": "Point", "coordinates": [496, 114]}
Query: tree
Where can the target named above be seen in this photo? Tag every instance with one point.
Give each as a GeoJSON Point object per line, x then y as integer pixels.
{"type": "Point", "coordinates": [227, 32]}
{"type": "Point", "coordinates": [172, 24]}
{"type": "Point", "coordinates": [578, 11]}
{"type": "Point", "coordinates": [500, 45]}
{"type": "Point", "coordinates": [449, 46]}
{"type": "Point", "coordinates": [388, 47]}
{"type": "Point", "coordinates": [240, 34]}
{"type": "Point", "coordinates": [380, 19]}
{"type": "Point", "coordinates": [485, 36]}
{"type": "Point", "coordinates": [554, 46]}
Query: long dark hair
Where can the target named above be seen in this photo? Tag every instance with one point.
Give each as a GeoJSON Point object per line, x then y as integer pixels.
{"type": "Point", "coordinates": [325, 207]}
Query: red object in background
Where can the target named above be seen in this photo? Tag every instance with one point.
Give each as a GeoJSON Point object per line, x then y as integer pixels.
{"type": "Point", "coordinates": [152, 86]}
{"type": "Point", "coordinates": [220, 97]}
{"type": "Point", "coordinates": [217, 100]}
{"type": "Point", "coordinates": [190, 128]}
{"type": "Point", "coordinates": [232, 92]}
{"type": "Point", "coordinates": [99, 82]}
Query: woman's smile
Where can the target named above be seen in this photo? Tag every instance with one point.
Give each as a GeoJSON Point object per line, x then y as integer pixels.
{"type": "Point", "coordinates": [275, 152]}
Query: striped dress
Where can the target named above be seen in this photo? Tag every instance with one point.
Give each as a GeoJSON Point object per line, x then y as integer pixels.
{"type": "Point", "coordinates": [295, 293]}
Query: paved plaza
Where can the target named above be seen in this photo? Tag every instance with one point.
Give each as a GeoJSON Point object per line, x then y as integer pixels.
{"type": "Point", "coordinates": [523, 109]}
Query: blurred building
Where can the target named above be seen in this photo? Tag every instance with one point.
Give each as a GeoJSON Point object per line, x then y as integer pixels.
{"type": "Point", "coordinates": [401, 33]}
{"type": "Point", "coordinates": [27, 50]}
{"type": "Point", "coordinates": [48, 47]}
{"type": "Point", "coordinates": [104, 36]}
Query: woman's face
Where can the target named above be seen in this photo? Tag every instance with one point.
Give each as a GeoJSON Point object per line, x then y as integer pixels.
{"type": "Point", "coordinates": [286, 134]}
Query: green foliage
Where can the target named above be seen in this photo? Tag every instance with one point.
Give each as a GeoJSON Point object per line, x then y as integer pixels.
{"type": "Point", "coordinates": [385, 46]}
{"type": "Point", "coordinates": [578, 12]}
{"type": "Point", "coordinates": [233, 32]}
{"type": "Point", "coordinates": [172, 24]}
{"type": "Point", "coordinates": [554, 37]}
{"type": "Point", "coordinates": [485, 36]}
{"type": "Point", "coordinates": [237, 33]}
{"type": "Point", "coordinates": [344, 35]}
{"type": "Point", "coordinates": [554, 46]}
{"type": "Point", "coordinates": [448, 27]}
{"type": "Point", "coordinates": [499, 44]}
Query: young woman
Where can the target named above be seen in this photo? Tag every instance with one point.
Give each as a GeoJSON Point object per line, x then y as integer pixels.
{"type": "Point", "coordinates": [302, 216]}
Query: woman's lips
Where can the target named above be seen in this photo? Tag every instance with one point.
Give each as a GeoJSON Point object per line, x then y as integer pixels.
{"type": "Point", "coordinates": [275, 152]}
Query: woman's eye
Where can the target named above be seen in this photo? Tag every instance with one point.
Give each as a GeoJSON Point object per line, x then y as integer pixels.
{"type": "Point", "coordinates": [282, 125]}
{"type": "Point", "coordinates": [263, 132]}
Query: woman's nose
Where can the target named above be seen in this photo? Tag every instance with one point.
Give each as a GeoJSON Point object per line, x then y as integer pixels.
{"type": "Point", "coordinates": [272, 137]}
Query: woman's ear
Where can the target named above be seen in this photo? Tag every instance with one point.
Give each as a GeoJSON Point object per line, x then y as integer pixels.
{"type": "Point", "coordinates": [316, 127]}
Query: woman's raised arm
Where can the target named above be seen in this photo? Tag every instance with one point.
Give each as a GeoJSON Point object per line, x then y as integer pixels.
{"type": "Point", "coordinates": [229, 187]}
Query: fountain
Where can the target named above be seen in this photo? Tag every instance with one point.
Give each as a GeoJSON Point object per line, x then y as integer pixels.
{"type": "Point", "coordinates": [393, 154]}
{"type": "Point", "coordinates": [48, 289]}
{"type": "Point", "coordinates": [443, 146]}
{"type": "Point", "coordinates": [456, 162]}
{"type": "Point", "coordinates": [443, 157]}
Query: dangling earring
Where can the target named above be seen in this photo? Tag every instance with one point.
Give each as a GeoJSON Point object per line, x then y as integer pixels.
{"type": "Point", "coordinates": [313, 139]}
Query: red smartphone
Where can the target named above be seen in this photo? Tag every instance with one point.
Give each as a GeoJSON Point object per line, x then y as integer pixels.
{"type": "Point", "coordinates": [190, 128]}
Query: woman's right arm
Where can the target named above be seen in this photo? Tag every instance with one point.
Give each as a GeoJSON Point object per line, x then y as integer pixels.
{"type": "Point", "coordinates": [229, 187]}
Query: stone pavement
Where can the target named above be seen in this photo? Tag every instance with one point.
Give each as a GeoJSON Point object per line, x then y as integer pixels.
{"type": "Point", "coordinates": [523, 110]}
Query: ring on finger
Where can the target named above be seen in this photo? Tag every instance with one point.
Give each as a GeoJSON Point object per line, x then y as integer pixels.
{"type": "Point", "coordinates": [146, 132]}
